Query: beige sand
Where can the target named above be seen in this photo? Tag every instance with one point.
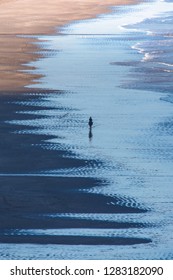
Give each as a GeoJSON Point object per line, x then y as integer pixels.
{"type": "Point", "coordinates": [21, 17]}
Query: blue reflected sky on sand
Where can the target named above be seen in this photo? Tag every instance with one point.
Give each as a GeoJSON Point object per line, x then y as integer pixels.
{"type": "Point", "coordinates": [87, 63]}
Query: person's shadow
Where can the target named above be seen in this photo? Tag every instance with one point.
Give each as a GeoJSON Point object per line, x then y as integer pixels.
{"type": "Point", "coordinates": [90, 134]}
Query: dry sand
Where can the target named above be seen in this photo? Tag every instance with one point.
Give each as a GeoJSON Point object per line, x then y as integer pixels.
{"type": "Point", "coordinates": [31, 17]}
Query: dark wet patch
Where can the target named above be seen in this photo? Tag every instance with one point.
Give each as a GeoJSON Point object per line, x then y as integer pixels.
{"type": "Point", "coordinates": [25, 196]}
{"type": "Point", "coordinates": [64, 222]}
{"type": "Point", "coordinates": [74, 240]}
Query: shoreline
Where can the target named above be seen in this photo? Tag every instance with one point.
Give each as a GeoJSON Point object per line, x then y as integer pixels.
{"type": "Point", "coordinates": [37, 18]}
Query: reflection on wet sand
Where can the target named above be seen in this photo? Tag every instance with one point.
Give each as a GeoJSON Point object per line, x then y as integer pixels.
{"type": "Point", "coordinates": [29, 201]}
{"type": "Point", "coordinates": [33, 18]}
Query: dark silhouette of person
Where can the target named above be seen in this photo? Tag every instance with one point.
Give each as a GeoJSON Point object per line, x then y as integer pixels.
{"type": "Point", "coordinates": [90, 123]}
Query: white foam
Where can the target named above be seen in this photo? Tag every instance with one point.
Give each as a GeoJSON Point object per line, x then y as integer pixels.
{"type": "Point", "coordinates": [166, 64]}
{"type": "Point", "coordinates": [120, 18]}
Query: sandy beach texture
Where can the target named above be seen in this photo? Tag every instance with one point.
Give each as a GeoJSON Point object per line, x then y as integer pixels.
{"type": "Point", "coordinates": [28, 198]}
{"type": "Point", "coordinates": [32, 17]}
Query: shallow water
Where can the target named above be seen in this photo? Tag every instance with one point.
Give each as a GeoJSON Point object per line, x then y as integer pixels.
{"type": "Point", "coordinates": [121, 75]}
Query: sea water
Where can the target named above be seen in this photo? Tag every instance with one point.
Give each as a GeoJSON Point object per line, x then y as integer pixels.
{"type": "Point", "coordinates": [116, 68]}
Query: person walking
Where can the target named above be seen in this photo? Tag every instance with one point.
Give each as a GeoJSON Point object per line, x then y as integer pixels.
{"type": "Point", "coordinates": [90, 123]}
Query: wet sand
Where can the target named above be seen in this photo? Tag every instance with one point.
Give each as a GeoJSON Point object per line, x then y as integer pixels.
{"type": "Point", "coordinates": [29, 198]}
{"type": "Point", "coordinates": [35, 18]}
{"type": "Point", "coordinates": [26, 195]}
{"type": "Point", "coordinates": [52, 186]}
{"type": "Point", "coordinates": [75, 240]}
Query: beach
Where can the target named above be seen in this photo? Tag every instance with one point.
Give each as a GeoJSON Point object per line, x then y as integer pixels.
{"type": "Point", "coordinates": [34, 18]}
{"type": "Point", "coordinates": [68, 192]}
